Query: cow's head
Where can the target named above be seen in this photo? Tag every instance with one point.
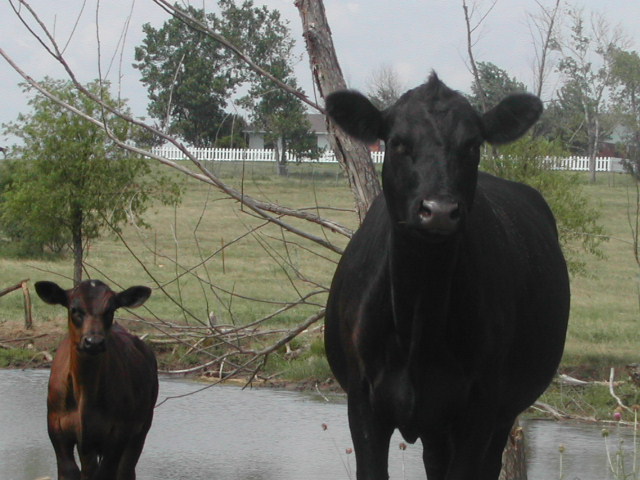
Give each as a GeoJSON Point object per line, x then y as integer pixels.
{"type": "Point", "coordinates": [91, 306]}
{"type": "Point", "coordinates": [432, 137]}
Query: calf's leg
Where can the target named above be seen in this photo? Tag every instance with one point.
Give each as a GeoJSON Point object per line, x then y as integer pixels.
{"type": "Point", "coordinates": [130, 457]}
{"type": "Point", "coordinates": [63, 444]}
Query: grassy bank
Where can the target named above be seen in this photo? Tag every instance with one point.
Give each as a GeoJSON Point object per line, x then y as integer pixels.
{"type": "Point", "coordinates": [181, 256]}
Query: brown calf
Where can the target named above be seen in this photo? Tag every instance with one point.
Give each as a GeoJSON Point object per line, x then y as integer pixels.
{"type": "Point", "coordinates": [103, 384]}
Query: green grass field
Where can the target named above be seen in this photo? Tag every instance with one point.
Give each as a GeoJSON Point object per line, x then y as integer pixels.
{"type": "Point", "coordinates": [180, 256]}
{"type": "Point", "coordinates": [181, 252]}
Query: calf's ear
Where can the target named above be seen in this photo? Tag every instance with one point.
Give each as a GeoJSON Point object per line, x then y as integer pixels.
{"type": "Point", "coordinates": [511, 118]}
{"type": "Point", "coordinates": [356, 115]}
{"type": "Point", "coordinates": [132, 297]}
{"type": "Point", "coordinates": [51, 293]}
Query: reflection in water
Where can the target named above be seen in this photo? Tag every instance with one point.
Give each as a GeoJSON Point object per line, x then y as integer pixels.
{"type": "Point", "coordinates": [585, 454]}
{"type": "Point", "coordinates": [231, 434]}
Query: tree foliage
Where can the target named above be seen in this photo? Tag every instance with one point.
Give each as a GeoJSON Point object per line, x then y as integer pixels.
{"type": "Point", "coordinates": [530, 160]}
{"type": "Point", "coordinates": [586, 67]}
{"type": "Point", "coordinates": [496, 84]}
{"type": "Point", "coordinates": [625, 69]}
{"type": "Point", "coordinates": [384, 87]}
{"type": "Point", "coordinates": [265, 37]}
{"type": "Point", "coordinates": [191, 77]}
{"type": "Point", "coordinates": [67, 182]}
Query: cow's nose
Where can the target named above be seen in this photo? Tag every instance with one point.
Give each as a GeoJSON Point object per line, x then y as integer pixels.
{"type": "Point", "coordinates": [92, 344]}
{"type": "Point", "coordinates": [440, 216]}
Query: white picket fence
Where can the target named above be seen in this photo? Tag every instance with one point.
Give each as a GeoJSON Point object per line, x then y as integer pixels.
{"type": "Point", "coordinates": [242, 154]}
{"type": "Point", "coordinates": [603, 164]}
{"type": "Point", "coordinates": [581, 164]}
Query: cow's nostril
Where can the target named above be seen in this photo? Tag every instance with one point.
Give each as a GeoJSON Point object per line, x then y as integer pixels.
{"type": "Point", "coordinates": [425, 208]}
{"type": "Point", "coordinates": [93, 344]}
{"type": "Point", "coordinates": [439, 215]}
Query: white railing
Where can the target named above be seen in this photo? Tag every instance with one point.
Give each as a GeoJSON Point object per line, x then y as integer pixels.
{"type": "Point", "coordinates": [242, 154]}
{"type": "Point", "coordinates": [603, 164]}
{"type": "Point", "coordinates": [581, 164]}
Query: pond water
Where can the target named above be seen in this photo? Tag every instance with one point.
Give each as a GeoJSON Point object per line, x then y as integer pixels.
{"type": "Point", "coordinates": [228, 433]}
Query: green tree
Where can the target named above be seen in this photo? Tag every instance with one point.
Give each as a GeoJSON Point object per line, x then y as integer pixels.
{"type": "Point", "coordinates": [586, 66]}
{"type": "Point", "coordinates": [68, 182]}
{"type": "Point", "coordinates": [496, 84]}
{"type": "Point", "coordinates": [530, 160]}
{"type": "Point", "coordinates": [266, 38]}
{"type": "Point", "coordinates": [189, 79]}
{"type": "Point", "coordinates": [625, 68]}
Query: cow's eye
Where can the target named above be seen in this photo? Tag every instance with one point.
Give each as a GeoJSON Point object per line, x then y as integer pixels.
{"type": "Point", "coordinates": [108, 319]}
{"type": "Point", "coordinates": [471, 147]}
{"type": "Point", "coordinates": [76, 315]}
{"type": "Point", "coordinates": [400, 147]}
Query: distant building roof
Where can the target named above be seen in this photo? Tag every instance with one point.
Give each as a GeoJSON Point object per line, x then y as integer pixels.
{"type": "Point", "coordinates": [318, 122]}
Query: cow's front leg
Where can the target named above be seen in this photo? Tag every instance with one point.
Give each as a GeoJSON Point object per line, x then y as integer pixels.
{"type": "Point", "coordinates": [436, 454]}
{"type": "Point", "coordinates": [110, 461]}
{"type": "Point", "coordinates": [89, 461]}
{"type": "Point", "coordinates": [67, 467]}
{"type": "Point", "coordinates": [63, 441]}
{"type": "Point", "coordinates": [370, 433]}
{"type": "Point", "coordinates": [476, 439]}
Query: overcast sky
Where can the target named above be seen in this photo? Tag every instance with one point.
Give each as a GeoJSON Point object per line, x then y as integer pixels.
{"type": "Point", "coordinates": [411, 36]}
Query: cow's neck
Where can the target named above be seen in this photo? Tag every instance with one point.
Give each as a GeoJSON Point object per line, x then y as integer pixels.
{"type": "Point", "coordinates": [87, 371]}
{"type": "Point", "coordinates": [421, 278]}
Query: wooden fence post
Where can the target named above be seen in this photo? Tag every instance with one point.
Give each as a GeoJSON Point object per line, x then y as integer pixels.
{"type": "Point", "coordinates": [28, 319]}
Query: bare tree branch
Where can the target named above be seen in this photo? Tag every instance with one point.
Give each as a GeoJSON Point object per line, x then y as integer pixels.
{"type": "Point", "coordinates": [543, 28]}
{"type": "Point", "coordinates": [245, 347]}
{"type": "Point", "coordinates": [473, 66]}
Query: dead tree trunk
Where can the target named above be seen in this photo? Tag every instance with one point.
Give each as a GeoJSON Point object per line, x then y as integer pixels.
{"type": "Point", "coordinates": [514, 460]}
{"type": "Point", "coordinates": [352, 155]}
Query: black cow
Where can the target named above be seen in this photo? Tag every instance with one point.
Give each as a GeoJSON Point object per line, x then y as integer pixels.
{"type": "Point", "coordinates": [448, 311]}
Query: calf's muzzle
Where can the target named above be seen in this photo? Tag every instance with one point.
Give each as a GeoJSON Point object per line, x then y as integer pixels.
{"type": "Point", "coordinates": [92, 344]}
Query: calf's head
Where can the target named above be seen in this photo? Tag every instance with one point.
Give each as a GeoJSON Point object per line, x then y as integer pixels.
{"type": "Point", "coordinates": [91, 305]}
{"type": "Point", "coordinates": [432, 137]}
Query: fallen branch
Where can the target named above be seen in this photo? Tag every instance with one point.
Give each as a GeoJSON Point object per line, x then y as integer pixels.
{"type": "Point", "coordinates": [613, 393]}
{"type": "Point", "coordinates": [13, 288]}
{"type": "Point", "coordinates": [23, 339]}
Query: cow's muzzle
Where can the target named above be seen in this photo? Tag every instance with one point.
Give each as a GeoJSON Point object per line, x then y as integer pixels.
{"type": "Point", "coordinates": [92, 344]}
{"type": "Point", "coordinates": [441, 217]}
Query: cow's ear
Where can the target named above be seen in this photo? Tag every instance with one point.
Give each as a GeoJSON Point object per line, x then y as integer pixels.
{"type": "Point", "coordinates": [511, 118]}
{"type": "Point", "coordinates": [132, 297]}
{"type": "Point", "coordinates": [52, 294]}
{"type": "Point", "coordinates": [356, 115]}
